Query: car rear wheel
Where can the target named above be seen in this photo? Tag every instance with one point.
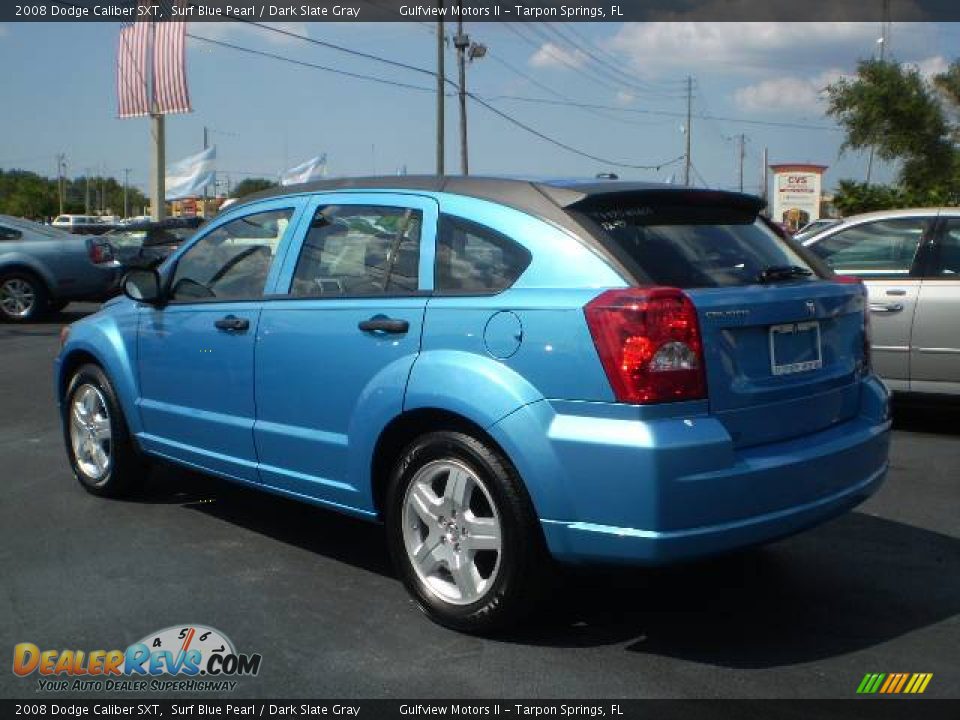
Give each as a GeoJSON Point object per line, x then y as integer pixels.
{"type": "Point", "coordinates": [23, 297]}
{"type": "Point", "coordinates": [102, 454]}
{"type": "Point", "coordinates": [463, 534]}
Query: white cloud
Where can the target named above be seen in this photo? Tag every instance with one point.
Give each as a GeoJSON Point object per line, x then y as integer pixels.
{"type": "Point", "coordinates": [625, 98]}
{"type": "Point", "coordinates": [932, 66]}
{"type": "Point", "coordinates": [790, 94]}
{"type": "Point", "coordinates": [654, 46]}
{"type": "Point", "coordinates": [552, 56]}
{"type": "Point", "coordinates": [4, 30]}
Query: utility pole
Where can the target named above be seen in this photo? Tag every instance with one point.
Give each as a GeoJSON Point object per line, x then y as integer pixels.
{"type": "Point", "coordinates": [441, 82]}
{"type": "Point", "coordinates": [743, 151]}
{"type": "Point", "coordinates": [764, 193]}
{"type": "Point", "coordinates": [688, 132]}
{"type": "Point", "coordinates": [126, 185]}
{"type": "Point", "coordinates": [883, 41]}
{"type": "Point", "coordinates": [103, 191]}
{"type": "Point", "coordinates": [462, 42]}
{"type": "Point", "coordinates": [61, 164]}
{"type": "Point", "coordinates": [86, 203]}
{"type": "Point", "coordinates": [206, 144]}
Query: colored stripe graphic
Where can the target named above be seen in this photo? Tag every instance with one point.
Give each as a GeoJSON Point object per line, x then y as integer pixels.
{"type": "Point", "coordinates": [894, 683]}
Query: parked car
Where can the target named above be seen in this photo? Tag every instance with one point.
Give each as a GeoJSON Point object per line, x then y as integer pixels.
{"type": "Point", "coordinates": [814, 228]}
{"type": "Point", "coordinates": [43, 268]}
{"type": "Point", "coordinates": [910, 263]}
{"type": "Point", "coordinates": [81, 224]}
{"type": "Point", "coordinates": [501, 371]}
{"type": "Point", "coordinates": [146, 244]}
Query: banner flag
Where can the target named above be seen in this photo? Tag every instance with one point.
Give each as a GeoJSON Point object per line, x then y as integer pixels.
{"type": "Point", "coordinates": [188, 177]}
{"type": "Point", "coordinates": [312, 169]}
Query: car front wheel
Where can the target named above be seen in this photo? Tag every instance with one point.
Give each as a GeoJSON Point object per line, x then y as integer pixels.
{"type": "Point", "coordinates": [463, 535]}
{"type": "Point", "coordinates": [102, 454]}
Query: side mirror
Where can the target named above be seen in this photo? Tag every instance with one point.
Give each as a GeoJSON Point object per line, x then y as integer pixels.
{"type": "Point", "coordinates": [143, 285]}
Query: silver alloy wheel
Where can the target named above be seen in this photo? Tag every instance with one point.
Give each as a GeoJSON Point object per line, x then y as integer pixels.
{"type": "Point", "coordinates": [17, 297]}
{"type": "Point", "coordinates": [90, 434]}
{"type": "Point", "coordinates": [451, 531]}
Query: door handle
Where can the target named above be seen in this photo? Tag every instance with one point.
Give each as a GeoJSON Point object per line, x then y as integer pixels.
{"type": "Point", "coordinates": [384, 324]}
{"type": "Point", "coordinates": [886, 307]}
{"type": "Point", "coordinates": [232, 323]}
{"type": "Point", "coordinates": [899, 292]}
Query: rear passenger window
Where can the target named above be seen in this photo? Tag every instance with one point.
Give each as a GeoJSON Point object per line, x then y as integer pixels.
{"type": "Point", "coordinates": [882, 247]}
{"type": "Point", "coordinates": [947, 260]}
{"type": "Point", "coordinates": [359, 250]}
{"type": "Point", "coordinates": [474, 259]}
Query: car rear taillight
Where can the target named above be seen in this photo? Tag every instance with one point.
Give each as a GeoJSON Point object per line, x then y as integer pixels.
{"type": "Point", "coordinates": [649, 343]}
{"type": "Point", "coordinates": [100, 252]}
{"type": "Point", "coordinates": [851, 280]}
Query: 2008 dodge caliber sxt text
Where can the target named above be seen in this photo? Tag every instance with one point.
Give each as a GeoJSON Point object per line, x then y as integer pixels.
{"type": "Point", "coordinates": [502, 371]}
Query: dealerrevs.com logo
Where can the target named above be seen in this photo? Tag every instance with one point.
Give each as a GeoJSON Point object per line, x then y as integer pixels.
{"type": "Point", "coordinates": [179, 658]}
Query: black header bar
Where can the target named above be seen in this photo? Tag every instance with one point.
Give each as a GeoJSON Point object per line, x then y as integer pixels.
{"type": "Point", "coordinates": [821, 11]}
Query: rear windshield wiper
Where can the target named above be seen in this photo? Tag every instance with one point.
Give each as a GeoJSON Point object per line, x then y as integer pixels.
{"type": "Point", "coordinates": [782, 272]}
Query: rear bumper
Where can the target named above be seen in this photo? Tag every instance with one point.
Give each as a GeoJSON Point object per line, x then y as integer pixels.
{"type": "Point", "coordinates": [580, 541]}
{"type": "Point", "coordinates": [654, 487]}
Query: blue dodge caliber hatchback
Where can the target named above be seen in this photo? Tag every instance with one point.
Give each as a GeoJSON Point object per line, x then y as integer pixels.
{"type": "Point", "coordinates": [501, 371]}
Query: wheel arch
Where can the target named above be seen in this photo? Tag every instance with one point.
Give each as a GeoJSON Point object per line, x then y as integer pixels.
{"type": "Point", "coordinates": [108, 350]}
{"type": "Point", "coordinates": [408, 426]}
{"type": "Point", "coordinates": [19, 263]}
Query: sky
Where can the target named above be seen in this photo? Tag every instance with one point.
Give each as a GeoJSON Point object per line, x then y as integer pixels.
{"type": "Point", "coordinates": [266, 115]}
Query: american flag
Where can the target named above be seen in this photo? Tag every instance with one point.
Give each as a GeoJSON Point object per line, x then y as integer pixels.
{"type": "Point", "coordinates": [133, 80]}
{"type": "Point", "coordinates": [170, 63]}
{"type": "Point", "coordinates": [160, 86]}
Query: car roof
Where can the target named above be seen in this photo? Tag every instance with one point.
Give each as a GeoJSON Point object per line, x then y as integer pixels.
{"type": "Point", "coordinates": [546, 198]}
{"type": "Point", "coordinates": [901, 212]}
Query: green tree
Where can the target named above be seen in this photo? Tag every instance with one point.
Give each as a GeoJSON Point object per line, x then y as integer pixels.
{"type": "Point", "coordinates": [248, 186]}
{"type": "Point", "coordinates": [904, 118]}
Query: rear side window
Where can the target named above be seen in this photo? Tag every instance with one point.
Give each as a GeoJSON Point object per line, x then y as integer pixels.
{"type": "Point", "coordinates": [353, 250]}
{"type": "Point", "coordinates": [882, 247]}
{"type": "Point", "coordinates": [692, 246]}
{"type": "Point", "coordinates": [947, 257]}
{"type": "Point", "coordinates": [473, 259]}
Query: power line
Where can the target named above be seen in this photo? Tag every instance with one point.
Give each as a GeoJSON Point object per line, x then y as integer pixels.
{"type": "Point", "coordinates": [315, 66]}
{"type": "Point", "coordinates": [606, 69]}
{"type": "Point", "coordinates": [471, 95]}
{"type": "Point", "coordinates": [560, 95]}
{"type": "Point", "coordinates": [668, 113]}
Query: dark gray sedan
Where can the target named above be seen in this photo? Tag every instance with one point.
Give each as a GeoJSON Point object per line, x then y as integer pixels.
{"type": "Point", "coordinates": [43, 268]}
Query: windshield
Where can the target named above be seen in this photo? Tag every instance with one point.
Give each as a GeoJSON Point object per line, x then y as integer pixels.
{"type": "Point", "coordinates": [689, 246]}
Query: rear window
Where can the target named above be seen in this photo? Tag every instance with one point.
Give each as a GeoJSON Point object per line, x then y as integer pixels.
{"type": "Point", "coordinates": [691, 246]}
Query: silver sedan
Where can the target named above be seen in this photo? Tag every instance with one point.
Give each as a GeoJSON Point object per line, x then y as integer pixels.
{"type": "Point", "coordinates": [910, 263]}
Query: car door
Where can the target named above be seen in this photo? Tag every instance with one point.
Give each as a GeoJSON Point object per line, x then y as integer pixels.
{"type": "Point", "coordinates": [883, 252]}
{"type": "Point", "coordinates": [196, 352]}
{"type": "Point", "coordinates": [337, 343]}
{"type": "Point", "coordinates": [935, 349]}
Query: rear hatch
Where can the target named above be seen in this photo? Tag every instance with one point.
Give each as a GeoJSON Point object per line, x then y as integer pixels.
{"type": "Point", "coordinates": [783, 341]}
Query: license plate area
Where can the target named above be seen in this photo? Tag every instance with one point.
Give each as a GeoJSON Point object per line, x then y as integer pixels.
{"type": "Point", "coordinates": [795, 348]}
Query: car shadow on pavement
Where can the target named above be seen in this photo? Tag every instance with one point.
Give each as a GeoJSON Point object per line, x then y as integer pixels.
{"type": "Point", "coordinates": [312, 528]}
{"type": "Point", "coordinates": [915, 414]}
{"type": "Point", "coordinates": [854, 583]}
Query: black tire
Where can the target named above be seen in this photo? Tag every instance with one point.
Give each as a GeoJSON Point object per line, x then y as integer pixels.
{"type": "Point", "coordinates": [127, 466]}
{"type": "Point", "coordinates": [37, 290]}
{"type": "Point", "coordinates": [523, 568]}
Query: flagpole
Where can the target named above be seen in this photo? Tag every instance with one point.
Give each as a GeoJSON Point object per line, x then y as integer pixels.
{"type": "Point", "coordinates": [158, 135]}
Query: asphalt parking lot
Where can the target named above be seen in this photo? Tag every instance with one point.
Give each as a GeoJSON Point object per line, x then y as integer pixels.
{"type": "Point", "coordinates": [875, 591]}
